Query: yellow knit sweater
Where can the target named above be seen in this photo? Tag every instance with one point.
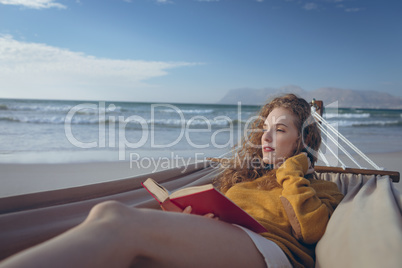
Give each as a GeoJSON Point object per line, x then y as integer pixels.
{"type": "Point", "coordinates": [296, 214]}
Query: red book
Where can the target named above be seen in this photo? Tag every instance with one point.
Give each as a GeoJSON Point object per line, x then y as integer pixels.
{"type": "Point", "coordinates": [203, 199]}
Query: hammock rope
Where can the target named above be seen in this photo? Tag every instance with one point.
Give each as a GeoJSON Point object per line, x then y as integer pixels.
{"type": "Point", "coordinates": [326, 130]}
{"type": "Point", "coordinates": [333, 153]}
{"type": "Point", "coordinates": [323, 158]}
{"type": "Point", "coordinates": [333, 139]}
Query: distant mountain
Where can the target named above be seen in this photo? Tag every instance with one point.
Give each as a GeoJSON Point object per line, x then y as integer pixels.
{"type": "Point", "coordinates": [346, 98]}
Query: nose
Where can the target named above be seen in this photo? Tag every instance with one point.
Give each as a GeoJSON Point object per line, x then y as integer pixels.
{"type": "Point", "coordinates": [267, 136]}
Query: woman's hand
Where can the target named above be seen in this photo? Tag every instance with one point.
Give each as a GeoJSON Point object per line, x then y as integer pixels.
{"type": "Point", "coordinates": [188, 210]}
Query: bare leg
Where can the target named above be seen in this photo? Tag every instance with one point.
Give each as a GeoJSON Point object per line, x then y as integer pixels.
{"type": "Point", "coordinates": [114, 235]}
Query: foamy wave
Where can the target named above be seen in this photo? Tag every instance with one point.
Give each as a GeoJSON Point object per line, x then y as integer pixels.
{"type": "Point", "coordinates": [53, 120]}
{"type": "Point", "coordinates": [87, 111]}
{"type": "Point", "coordinates": [173, 123]}
{"type": "Point", "coordinates": [336, 115]}
{"type": "Point", "coordinates": [187, 111]}
{"type": "Point", "coordinates": [197, 111]}
{"type": "Point", "coordinates": [41, 108]}
{"type": "Point", "coordinates": [58, 108]}
{"type": "Point", "coordinates": [190, 123]}
{"type": "Point", "coordinates": [33, 120]}
{"type": "Point", "coordinates": [344, 123]}
{"type": "Point", "coordinates": [80, 120]}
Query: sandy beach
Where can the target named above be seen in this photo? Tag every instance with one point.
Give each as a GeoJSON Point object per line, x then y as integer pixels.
{"type": "Point", "coordinates": [17, 179]}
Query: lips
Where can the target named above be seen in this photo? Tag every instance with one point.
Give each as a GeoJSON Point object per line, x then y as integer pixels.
{"type": "Point", "coordinates": [267, 148]}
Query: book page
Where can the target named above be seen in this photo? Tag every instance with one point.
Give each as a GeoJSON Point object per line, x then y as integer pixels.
{"type": "Point", "coordinates": [158, 191]}
{"type": "Point", "coordinates": [191, 190]}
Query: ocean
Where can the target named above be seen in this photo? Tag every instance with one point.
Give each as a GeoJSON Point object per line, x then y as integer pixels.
{"type": "Point", "coordinates": [52, 131]}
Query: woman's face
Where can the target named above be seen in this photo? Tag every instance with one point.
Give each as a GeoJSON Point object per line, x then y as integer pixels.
{"type": "Point", "coordinates": [280, 137]}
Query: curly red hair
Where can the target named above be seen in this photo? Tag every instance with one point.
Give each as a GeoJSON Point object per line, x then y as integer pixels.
{"type": "Point", "coordinates": [246, 163]}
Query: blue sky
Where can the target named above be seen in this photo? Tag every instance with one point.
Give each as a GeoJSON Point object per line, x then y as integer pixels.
{"type": "Point", "coordinates": [195, 51]}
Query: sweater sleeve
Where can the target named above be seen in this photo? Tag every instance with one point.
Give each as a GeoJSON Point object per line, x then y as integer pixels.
{"type": "Point", "coordinates": [307, 210]}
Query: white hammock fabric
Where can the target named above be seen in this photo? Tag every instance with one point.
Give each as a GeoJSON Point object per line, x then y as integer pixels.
{"type": "Point", "coordinates": [366, 227]}
{"type": "Point", "coordinates": [364, 231]}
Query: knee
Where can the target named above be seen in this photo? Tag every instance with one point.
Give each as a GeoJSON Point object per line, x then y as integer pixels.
{"type": "Point", "coordinates": [109, 206]}
{"type": "Point", "coordinates": [110, 211]}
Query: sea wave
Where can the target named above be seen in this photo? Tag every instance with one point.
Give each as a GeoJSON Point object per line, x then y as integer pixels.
{"type": "Point", "coordinates": [57, 108]}
{"type": "Point", "coordinates": [33, 120]}
{"type": "Point", "coordinates": [383, 123]}
{"type": "Point", "coordinates": [129, 122]}
{"type": "Point", "coordinates": [194, 122]}
{"type": "Point", "coordinates": [42, 108]}
{"type": "Point", "coordinates": [186, 111]}
{"type": "Point", "coordinates": [190, 123]}
{"type": "Point", "coordinates": [110, 109]}
{"type": "Point", "coordinates": [53, 120]}
{"type": "Point", "coordinates": [346, 115]}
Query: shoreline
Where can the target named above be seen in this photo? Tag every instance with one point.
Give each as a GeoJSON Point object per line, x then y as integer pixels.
{"type": "Point", "coordinates": [23, 178]}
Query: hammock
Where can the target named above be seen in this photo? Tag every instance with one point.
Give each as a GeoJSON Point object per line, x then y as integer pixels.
{"type": "Point", "coordinates": [364, 231]}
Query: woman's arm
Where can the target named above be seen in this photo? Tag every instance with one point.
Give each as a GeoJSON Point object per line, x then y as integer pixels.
{"type": "Point", "coordinates": [307, 210]}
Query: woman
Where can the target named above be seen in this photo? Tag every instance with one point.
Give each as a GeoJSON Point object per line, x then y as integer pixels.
{"type": "Point", "coordinates": [266, 178]}
{"type": "Point", "coordinates": [280, 192]}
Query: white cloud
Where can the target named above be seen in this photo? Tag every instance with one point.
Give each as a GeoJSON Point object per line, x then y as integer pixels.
{"type": "Point", "coordinates": [33, 70]}
{"type": "Point", "coordinates": [321, 5]}
{"type": "Point", "coordinates": [310, 6]}
{"type": "Point", "coordinates": [164, 1]}
{"type": "Point", "coordinates": [353, 9]}
{"type": "Point", "coordinates": [35, 4]}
